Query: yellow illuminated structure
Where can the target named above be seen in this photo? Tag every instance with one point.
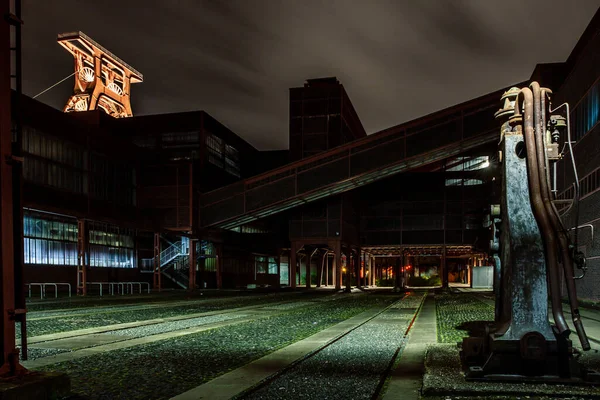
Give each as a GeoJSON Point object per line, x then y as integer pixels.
{"type": "Point", "coordinates": [102, 80]}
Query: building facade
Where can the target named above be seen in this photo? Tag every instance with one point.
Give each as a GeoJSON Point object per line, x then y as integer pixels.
{"type": "Point", "coordinates": [338, 208]}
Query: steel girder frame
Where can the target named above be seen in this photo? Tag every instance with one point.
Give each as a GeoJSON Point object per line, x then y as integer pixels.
{"type": "Point", "coordinates": [349, 182]}
{"type": "Point", "coordinates": [10, 271]}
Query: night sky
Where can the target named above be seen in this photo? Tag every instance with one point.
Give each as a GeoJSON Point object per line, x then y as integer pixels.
{"type": "Point", "coordinates": [236, 59]}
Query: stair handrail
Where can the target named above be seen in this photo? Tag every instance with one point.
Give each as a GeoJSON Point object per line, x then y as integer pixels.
{"type": "Point", "coordinates": [171, 252]}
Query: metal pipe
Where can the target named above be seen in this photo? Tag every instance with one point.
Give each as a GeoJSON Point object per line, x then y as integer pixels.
{"type": "Point", "coordinates": [539, 96]}
{"type": "Point", "coordinates": [538, 208]}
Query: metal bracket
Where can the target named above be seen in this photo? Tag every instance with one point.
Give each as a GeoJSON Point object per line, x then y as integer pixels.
{"type": "Point", "coordinates": [15, 313]}
{"type": "Point", "coordinates": [585, 226]}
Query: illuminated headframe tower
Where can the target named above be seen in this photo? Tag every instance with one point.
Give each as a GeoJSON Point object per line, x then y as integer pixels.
{"type": "Point", "coordinates": [102, 80]}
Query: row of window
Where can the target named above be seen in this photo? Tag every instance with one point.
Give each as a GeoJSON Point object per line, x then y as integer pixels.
{"type": "Point", "coordinates": [62, 165]}
{"type": "Point", "coordinates": [587, 113]}
{"type": "Point", "coordinates": [467, 163]}
{"type": "Point", "coordinates": [52, 241]}
{"type": "Point", "coordinates": [463, 182]}
{"type": "Point", "coordinates": [222, 155]}
{"type": "Point", "coordinates": [50, 148]}
{"type": "Point", "coordinates": [53, 252]}
{"type": "Point", "coordinates": [265, 265]}
{"type": "Point", "coordinates": [248, 229]}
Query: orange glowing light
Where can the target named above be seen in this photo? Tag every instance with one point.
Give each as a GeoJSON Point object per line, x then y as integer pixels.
{"type": "Point", "coordinates": [102, 80]}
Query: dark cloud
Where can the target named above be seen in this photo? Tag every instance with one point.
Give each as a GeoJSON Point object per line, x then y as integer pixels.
{"type": "Point", "coordinates": [236, 59]}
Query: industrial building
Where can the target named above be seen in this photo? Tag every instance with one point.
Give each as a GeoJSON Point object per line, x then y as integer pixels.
{"type": "Point", "coordinates": [206, 240]}
{"type": "Point", "coordinates": [339, 208]}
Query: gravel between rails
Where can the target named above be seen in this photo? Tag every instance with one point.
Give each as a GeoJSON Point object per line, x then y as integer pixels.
{"type": "Point", "coordinates": [155, 329]}
{"type": "Point", "coordinates": [163, 369]}
{"type": "Point", "coordinates": [119, 315]}
{"type": "Point", "coordinates": [350, 368]}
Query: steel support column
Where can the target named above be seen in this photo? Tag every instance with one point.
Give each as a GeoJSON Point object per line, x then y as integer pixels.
{"type": "Point", "coordinates": [337, 264]}
{"type": "Point", "coordinates": [278, 268]}
{"type": "Point", "coordinates": [350, 262]}
{"type": "Point", "coordinates": [83, 256]}
{"type": "Point", "coordinates": [357, 267]}
{"type": "Point", "coordinates": [444, 268]}
{"type": "Point", "coordinates": [292, 264]}
{"type": "Point", "coordinates": [219, 251]}
{"type": "Point", "coordinates": [157, 274]}
{"type": "Point", "coordinates": [9, 355]}
{"type": "Point", "coordinates": [192, 261]}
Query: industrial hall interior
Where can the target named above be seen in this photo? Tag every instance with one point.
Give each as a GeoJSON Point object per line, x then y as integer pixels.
{"type": "Point", "coordinates": [128, 235]}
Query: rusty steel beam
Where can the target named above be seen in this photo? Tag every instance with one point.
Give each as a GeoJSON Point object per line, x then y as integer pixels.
{"type": "Point", "coordinates": [192, 261]}
{"type": "Point", "coordinates": [157, 274]}
{"type": "Point", "coordinates": [82, 256]}
{"type": "Point", "coordinates": [9, 354]}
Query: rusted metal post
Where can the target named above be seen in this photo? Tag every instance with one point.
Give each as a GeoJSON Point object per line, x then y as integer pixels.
{"type": "Point", "coordinates": [82, 256]}
{"type": "Point", "coordinates": [157, 273]}
{"type": "Point", "coordinates": [219, 251]}
{"type": "Point", "coordinates": [192, 261]}
{"type": "Point", "coordinates": [444, 268]}
{"type": "Point", "coordinates": [292, 264]}
{"type": "Point", "coordinates": [278, 268]}
{"type": "Point", "coordinates": [9, 355]}
{"type": "Point", "coordinates": [349, 268]}
{"type": "Point", "coordinates": [337, 264]}
{"type": "Point", "coordinates": [17, 167]}
{"type": "Point", "coordinates": [357, 267]}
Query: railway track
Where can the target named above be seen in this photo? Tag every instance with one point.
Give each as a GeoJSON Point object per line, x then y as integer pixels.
{"type": "Point", "coordinates": [375, 361]}
{"type": "Point", "coordinates": [61, 346]}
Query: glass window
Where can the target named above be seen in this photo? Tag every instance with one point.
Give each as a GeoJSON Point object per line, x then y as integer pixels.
{"type": "Point", "coordinates": [587, 113]}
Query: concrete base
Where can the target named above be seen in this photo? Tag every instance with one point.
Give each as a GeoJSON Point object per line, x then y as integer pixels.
{"type": "Point", "coordinates": [35, 386]}
{"type": "Point", "coordinates": [444, 377]}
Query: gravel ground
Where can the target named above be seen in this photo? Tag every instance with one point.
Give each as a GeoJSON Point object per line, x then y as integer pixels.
{"type": "Point", "coordinates": [289, 306]}
{"type": "Point", "coordinates": [350, 368]}
{"type": "Point", "coordinates": [163, 369]}
{"type": "Point", "coordinates": [443, 375]}
{"type": "Point", "coordinates": [33, 353]}
{"type": "Point", "coordinates": [454, 310]}
{"type": "Point", "coordinates": [119, 315]}
{"type": "Point", "coordinates": [173, 325]}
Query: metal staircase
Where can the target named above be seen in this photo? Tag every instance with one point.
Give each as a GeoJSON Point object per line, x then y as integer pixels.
{"type": "Point", "coordinates": [174, 262]}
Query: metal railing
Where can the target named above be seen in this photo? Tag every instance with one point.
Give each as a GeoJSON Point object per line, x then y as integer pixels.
{"type": "Point", "coordinates": [335, 171]}
{"type": "Point", "coordinates": [172, 252]}
{"type": "Point", "coordinates": [121, 287]}
{"type": "Point", "coordinates": [423, 141]}
{"type": "Point", "coordinates": [43, 288]}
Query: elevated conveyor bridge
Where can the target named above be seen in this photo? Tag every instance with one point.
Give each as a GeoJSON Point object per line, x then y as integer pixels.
{"type": "Point", "coordinates": [403, 148]}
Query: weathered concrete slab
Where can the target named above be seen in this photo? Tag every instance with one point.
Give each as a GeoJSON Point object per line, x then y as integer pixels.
{"type": "Point", "coordinates": [80, 341]}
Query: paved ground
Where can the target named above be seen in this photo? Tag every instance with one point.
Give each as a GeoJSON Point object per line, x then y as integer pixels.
{"type": "Point", "coordinates": [404, 379]}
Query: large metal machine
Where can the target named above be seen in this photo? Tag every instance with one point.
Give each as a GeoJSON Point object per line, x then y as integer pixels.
{"type": "Point", "coordinates": [531, 247]}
